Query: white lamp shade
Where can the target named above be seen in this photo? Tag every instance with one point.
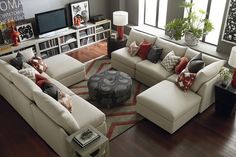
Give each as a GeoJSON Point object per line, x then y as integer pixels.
{"type": "Point", "coordinates": [232, 57]}
{"type": "Point", "coordinates": [120, 18]}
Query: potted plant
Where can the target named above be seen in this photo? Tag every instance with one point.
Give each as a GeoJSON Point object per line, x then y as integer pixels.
{"type": "Point", "coordinates": [193, 27]}
{"type": "Point", "coordinates": [225, 76]}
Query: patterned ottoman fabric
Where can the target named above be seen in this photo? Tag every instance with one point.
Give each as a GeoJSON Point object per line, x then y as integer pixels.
{"type": "Point", "coordinates": [110, 87]}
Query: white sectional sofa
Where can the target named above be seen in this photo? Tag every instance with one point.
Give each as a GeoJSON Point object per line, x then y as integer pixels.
{"type": "Point", "coordinates": [52, 121]}
{"type": "Point", "coordinates": [164, 103]}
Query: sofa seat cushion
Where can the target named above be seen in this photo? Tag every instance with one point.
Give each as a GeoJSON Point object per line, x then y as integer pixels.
{"type": "Point", "coordinates": [173, 78]}
{"type": "Point", "coordinates": [122, 55]}
{"type": "Point", "coordinates": [156, 71]}
{"type": "Point", "coordinates": [61, 66]}
{"type": "Point", "coordinates": [167, 100]}
{"type": "Point", "coordinates": [60, 86]}
{"type": "Point", "coordinates": [85, 113]}
{"type": "Point", "coordinates": [56, 111]}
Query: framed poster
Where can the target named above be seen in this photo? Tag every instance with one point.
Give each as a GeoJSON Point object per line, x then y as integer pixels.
{"type": "Point", "coordinates": [229, 34]}
{"type": "Point", "coordinates": [26, 31]}
{"type": "Point", "coordinates": [79, 11]}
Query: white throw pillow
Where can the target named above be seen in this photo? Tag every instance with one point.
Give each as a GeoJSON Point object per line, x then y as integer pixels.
{"type": "Point", "coordinates": [170, 61]}
{"type": "Point", "coordinates": [206, 74]}
{"type": "Point", "coordinates": [27, 53]}
{"type": "Point", "coordinates": [28, 72]}
{"type": "Point", "coordinates": [133, 48]}
{"type": "Point", "coordinates": [58, 113]}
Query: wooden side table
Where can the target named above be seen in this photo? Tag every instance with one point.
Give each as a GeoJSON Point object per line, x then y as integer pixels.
{"type": "Point", "coordinates": [115, 44]}
{"type": "Point", "coordinates": [97, 148]}
{"type": "Point", "coordinates": [225, 99]}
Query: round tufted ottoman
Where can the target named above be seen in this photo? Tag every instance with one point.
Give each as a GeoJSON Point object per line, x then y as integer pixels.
{"type": "Point", "coordinates": [110, 87]}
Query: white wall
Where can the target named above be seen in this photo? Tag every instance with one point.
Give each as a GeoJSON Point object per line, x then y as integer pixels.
{"type": "Point", "coordinates": [32, 7]}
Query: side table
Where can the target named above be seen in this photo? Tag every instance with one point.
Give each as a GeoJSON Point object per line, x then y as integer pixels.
{"type": "Point", "coordinates": [225, 99]}
{"type": "Point", "coordinates": [115, 44]}
{"type": "Point", "coordinates": [97, 148]}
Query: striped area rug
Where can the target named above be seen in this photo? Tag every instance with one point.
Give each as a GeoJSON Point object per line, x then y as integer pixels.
{"type": "Point", "coordinates": [119, 118]}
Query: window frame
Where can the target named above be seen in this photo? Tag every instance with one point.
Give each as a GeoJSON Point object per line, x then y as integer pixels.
{"type": "Point", "coordinates": [157, 15]}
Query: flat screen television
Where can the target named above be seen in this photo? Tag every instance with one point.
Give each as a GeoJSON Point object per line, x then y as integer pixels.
{"type": "Point", "coordinates": [49, 22]}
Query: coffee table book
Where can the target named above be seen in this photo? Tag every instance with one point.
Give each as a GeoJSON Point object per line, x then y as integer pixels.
{"type": "Point", "coordinates": [85, 141]}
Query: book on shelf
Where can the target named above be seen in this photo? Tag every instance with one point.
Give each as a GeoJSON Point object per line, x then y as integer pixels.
{"type": "Point", "coordinates": [100, 22]}
{"type": "Point", "coordinates": [100, 29]}
{"type": "Point", "coordinates": [86, 137]}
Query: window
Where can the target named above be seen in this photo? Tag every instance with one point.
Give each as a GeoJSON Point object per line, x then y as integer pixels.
{"type": "Point", "coordinates": [215, 10]}
{"type": "Point", "coordinates": [155, 13]}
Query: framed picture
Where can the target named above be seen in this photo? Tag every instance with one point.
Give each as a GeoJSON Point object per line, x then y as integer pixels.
{"type": "Point", "coordinates": [113, 36]}
{"type": "Point", "coordinates": [79, 12]}
{"type": "Point", "coordinates": [229, 34]}
{"type": "Point", "coordinates": [26, 32]}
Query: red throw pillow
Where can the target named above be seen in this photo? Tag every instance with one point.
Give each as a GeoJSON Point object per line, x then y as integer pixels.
{"type": "Point", "coordinates": [182, 65]}
{"type": "Point", "coordinates": [38, 64]}
{"type": "Point", "coordinates": [144, 48]}
{"type": "Point", "coordinates": [40, 80]}
{"type": "Point", "coordinates": [185, 80]}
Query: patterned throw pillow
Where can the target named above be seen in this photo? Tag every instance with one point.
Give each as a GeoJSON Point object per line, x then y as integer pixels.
{"type": "Point", "coordinates": [38, 64]}
{"type": "Point", "coordinates": [65, 100]}
{"type": "Point", "coordinates": [170, 61]}
{"type": "Point", "coordinates": [185, 80]}
{"type": "Point", "coordinates": [133, 48]}
{"type": "Point", "coordinates": [28, 71]}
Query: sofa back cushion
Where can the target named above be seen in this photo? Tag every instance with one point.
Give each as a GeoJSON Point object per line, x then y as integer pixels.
{"type": "Point", "coordinates": [138, 36]}
{"type": "Point", "coordinates": [6, 69]}
{"type": "Point", "coordinates": [169, 46]}
{"type": "Point", "coordinates": [24, 84]}
{"type": "Point", "coordinates": [27, 53]}
{"type": "Point", "coordinates": [58, 113]}
{"type": "Point", "coordinates": [190, 53]}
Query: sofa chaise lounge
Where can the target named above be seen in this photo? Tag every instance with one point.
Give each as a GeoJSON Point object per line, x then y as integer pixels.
{"type": "Point", "coordinates": [164, 103]}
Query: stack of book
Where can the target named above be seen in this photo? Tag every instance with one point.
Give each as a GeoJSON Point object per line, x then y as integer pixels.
{"type": "Point", "coordinates": [86, 137]}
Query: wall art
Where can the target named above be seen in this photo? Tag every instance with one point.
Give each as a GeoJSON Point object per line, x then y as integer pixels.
{"type": "Point", "coordinates": [26, 31]}
{"type": "Point", "coordinates": [79, 12]}
{"type": "Point", "coordinates": [229, 34]}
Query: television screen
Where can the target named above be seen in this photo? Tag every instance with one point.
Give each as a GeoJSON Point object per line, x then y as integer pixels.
{"type": "Point", "coordinates": [51, 20]}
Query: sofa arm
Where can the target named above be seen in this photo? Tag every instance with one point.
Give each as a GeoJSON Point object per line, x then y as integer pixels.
{"type": "Point", "coordinates": [207, 92]}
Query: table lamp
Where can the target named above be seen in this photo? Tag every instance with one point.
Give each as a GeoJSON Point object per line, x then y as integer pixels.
{"type": "Point", "coordinates": [232, 63]}
{"type": "Point", "coordinates": [120, 19]}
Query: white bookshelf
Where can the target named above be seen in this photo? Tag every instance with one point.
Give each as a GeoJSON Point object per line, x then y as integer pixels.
{"type": "Point", "coordinates": [66, 41]}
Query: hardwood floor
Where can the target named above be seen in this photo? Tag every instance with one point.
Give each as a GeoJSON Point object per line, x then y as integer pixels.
{"type": "Point", "coordinates": [90, 52]}
{"type": "Point", "coordinates": [206, 135]}
{"type": "Point", "coordinates": [17, 138]}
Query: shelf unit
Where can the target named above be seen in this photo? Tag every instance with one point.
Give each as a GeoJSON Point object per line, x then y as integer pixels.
{"type": "Point", "coordinates": [65, 42]}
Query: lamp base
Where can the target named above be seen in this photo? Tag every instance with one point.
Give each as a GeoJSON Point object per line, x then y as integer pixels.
{"type": "Point", "coordinates": [120, 31]}
{"type": "Point", "coordinates": [233, 82]}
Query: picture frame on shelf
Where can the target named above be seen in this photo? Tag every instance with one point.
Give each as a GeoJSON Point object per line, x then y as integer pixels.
{"type": "Point", "coordinates": [113, 36]}
{"type": "Point", "coordinates": [79, 13]}
{"type": "Point", "coordinates": [26, 32]}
